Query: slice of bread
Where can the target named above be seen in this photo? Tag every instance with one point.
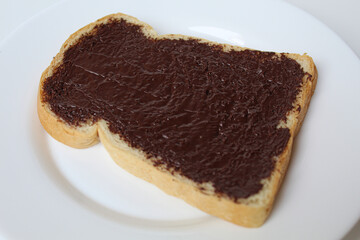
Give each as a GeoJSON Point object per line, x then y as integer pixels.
{"type": "Point", "coordinates": [249, 211]}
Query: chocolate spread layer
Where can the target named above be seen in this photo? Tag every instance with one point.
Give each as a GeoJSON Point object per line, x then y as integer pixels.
{"type": "Point", "coordinates": [204, 113]}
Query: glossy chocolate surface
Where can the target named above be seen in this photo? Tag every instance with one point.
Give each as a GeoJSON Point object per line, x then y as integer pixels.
{"type": "Point", "coordinates": [207, 114]}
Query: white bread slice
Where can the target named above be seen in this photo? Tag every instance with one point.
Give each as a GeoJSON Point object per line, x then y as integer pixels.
{"type": "Point", "coordinates": [249, 212]}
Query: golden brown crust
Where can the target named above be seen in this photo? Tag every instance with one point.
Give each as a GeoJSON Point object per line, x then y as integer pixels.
{"type": "Point", "coordinates": [251, 212]}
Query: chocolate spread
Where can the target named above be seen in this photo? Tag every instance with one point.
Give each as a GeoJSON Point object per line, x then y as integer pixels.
{"type": "Point", "coordinates": [204, 113]}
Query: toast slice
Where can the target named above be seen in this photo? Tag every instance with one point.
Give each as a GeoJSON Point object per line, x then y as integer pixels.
{"type": "Point", "coordinates": [210, 123]}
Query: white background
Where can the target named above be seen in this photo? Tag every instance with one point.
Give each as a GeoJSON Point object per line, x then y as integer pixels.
{"type": "Point", "coordinates": [341, 16]}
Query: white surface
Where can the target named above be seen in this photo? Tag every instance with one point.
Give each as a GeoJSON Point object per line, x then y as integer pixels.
{"type": "Point", "coordinates": [341, 16]}
{"type": "Point", "coordinates": [48, 188]}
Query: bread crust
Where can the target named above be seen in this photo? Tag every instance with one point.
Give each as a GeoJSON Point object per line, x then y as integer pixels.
{"type": "Point", "coordinates": [250, 212]}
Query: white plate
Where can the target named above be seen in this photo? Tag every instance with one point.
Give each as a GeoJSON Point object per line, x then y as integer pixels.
{"type": "Point", "coordinates": [50, 191]}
